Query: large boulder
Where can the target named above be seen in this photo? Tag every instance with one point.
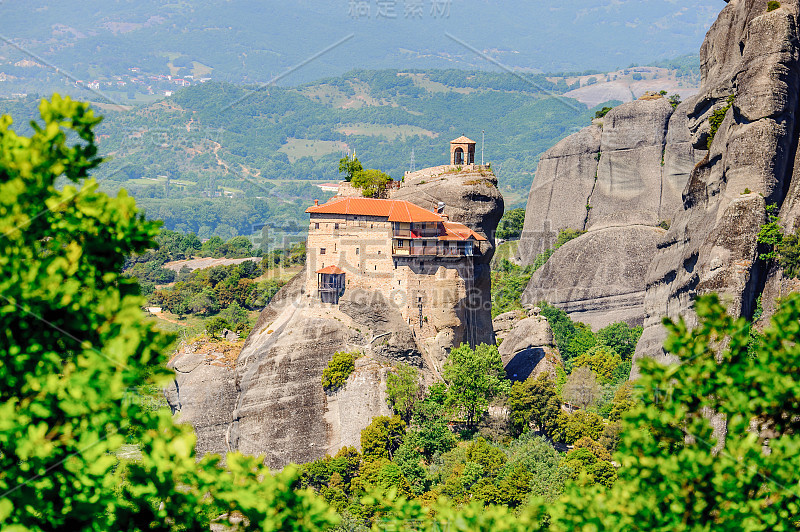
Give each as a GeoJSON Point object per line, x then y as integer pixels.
{"type": "Point", "coordinates": [560, 192]}
{"type": "Point", "coordinates": [204, 393]}
{"type": "Point", "coordinates": [528, 348]}
{"type": "Point", "coordinates": [598, 278]}
{"type": "Point", "coordinates": [619, 179]}
{"type": "Point", "coordinates": [282, 410]}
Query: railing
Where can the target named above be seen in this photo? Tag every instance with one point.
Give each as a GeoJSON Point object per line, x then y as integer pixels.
{"type": "Point", "coordinates": [428, 251]}
{"type": "Point", "coordinates": [408, 233]}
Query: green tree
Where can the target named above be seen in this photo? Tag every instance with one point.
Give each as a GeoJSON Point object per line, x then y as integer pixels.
{"type": "Point", "coordinates": [770, 234]}
{"type": "Point", "coordinates": [623, 401]}
{"type": "Point", "coordinates": [75, 347]}
{"type": "Point", "coordinates": [383, 436]}
{"type": "Point", "coordinates": [371, 182]}
{"type": "Point", "coordinates": [338, 369]}
{"type": "Point", "coordinates": [621, 337]}
{"type": "Point", "coordinates": [235, 314]}
{"type": "Point", "coordinates": [511, 223]}
{"type": "Point", "coordinates": [602, 112]}
{"type": "Point", "coordinates": [678, 471]}
{"type": "Point", "coordinates": [474, 378]}
{"type": "Point", "coordinates": [601, 359]}
{"type": "Point", "coordinates": [215, 325]}
{"type": "Point", "coordinates": [534, 401]}
{"type": "Point", "coordinates": [430, 433]}
{"type": "Point", "coordinates": [403, 390]}
{"type": "Point", "coordinates": [349, 166]}
{"type": "Point", "coordinates": [582, 424]}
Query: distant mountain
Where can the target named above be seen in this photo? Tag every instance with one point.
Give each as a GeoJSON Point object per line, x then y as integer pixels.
{"type": "Point", "coordinates": [257, 40]}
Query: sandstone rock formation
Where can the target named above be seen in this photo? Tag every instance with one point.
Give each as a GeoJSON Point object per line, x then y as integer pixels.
{"type": "Point", "coordinates": [617, 179]}
{"type": "Point", "coordinates": [560, 192]}
{"type": "Point", "coordinates": [659, 165]}
{"type": "Point", "coordinates": [203, 393]}
{"type": "Point", "coordinates": [749, 56]}
{"type": "Point", "coordinates": [527, 347]}
{"type": "Point", "coordinates": [598, 278]}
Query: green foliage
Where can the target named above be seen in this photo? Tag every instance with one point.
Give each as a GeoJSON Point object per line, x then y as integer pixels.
{"type": "Point", "coordinates": [772, 5]}
{"type": "Point", "coordinates": [335, 374]}
{"type": "Point", "coordinates": [371, 182]}
{"type": "Point", "coordinates": [474, 377]}
{"type": "Point", "coordinates": [581, 424]}
{"type": "Point", "coordinates": [534, 401]}
{"type": "Point", "coordinates": [215, 325]}
{"type": "Point", "coordinates": [623, 401]}
{"type": "Point", "coordinates": [602, 112]}
{"type": "Point", "coordinates": [770, 234]}
{"type": "Point", "coordinates": [716, 119]}
{"type": "Point", "coordinates": [574, 339]}
{"type": "Point", "coordinates": [582, 340]}
{"type": "Point", "coordinates": [349, 166]}
{"type": "Point", "coordinates": [789, 255]}
{"type": "Point", "coordinates": [511, 224]}
{"type": "Point", "coordinates": [430, 433]}
{"type": "Point", "coordinates": [509, 281]}
{"type": "Point", "coordinates": [75, 344]}
{"type": "Point", "coordinates": [206, 291]}
{"type": "Point", "coordinates": [403, 390]}
{"type": "Point", "coordinates": [601, 359]}
{"type": "Point", "coordinates": [698, 479]}
{"type": "Point", "coordinates": [620, 337]}
{"type": "Point", "coordinates": [383, 436]}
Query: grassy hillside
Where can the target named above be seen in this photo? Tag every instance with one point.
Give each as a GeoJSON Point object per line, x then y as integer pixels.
{"type": "Point", "coordinates": [219, 158]}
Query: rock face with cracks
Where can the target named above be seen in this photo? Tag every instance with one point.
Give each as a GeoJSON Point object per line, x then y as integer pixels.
{"type": "Point", "coordinates": [619, 180]}
{"type": "Point", "coordinates": [662, 167]}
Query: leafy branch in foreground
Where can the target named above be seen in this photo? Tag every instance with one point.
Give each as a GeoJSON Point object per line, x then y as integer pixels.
{"type": "Point", "coordinates": [75, 347]}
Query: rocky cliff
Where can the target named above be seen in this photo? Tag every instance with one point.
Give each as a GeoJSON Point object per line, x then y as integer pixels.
{"type": "Point", "coordinates": [527, 347]}
{"type": "Point", "coordinates": [655, 164]}
{"type": "Point", "coordinates": [618, 179]}
{"type": "Point", "coordinates": [751, 77]}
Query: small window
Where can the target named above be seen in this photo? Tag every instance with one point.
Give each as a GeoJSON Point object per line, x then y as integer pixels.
{"type": "Point", "coordinates": [371, 226]}
{"type": "Point", "coordinates": [316, 226]}
{"type": "Point", "coordinates": [321, 251]}
{"type": "Point", "coordinates": [399, 243]}
{"type": "Point", "coordinates": [336, 226]}
{"type": "Point", "coordinates": [379, 252]}
{"type": "Point", "coordinates": [376, 267]}
{"type": "Point", "coordinates": [358, 251]}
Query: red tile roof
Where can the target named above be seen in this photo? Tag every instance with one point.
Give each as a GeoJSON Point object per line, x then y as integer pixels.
{"type": "Point", "coordinates": [394, 210]}
{"type": "Point", "coordinates": [331, 270]}
{"type": "Point", "coordinates": [457, 231]}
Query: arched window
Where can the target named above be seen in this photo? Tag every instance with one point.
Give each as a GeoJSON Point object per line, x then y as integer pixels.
{"type": "Point", "coordinates": [458, 156]}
